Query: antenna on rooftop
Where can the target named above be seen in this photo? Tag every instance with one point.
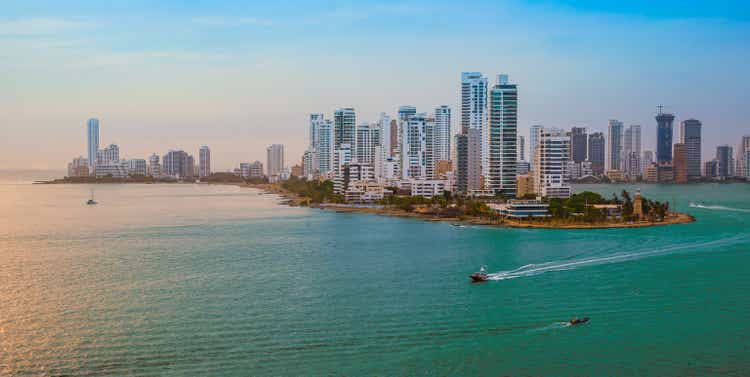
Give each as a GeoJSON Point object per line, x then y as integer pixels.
{"type": "Point", "coordinates": [660, 108]}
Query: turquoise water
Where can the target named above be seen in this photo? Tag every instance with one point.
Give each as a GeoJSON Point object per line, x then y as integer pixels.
{"type": "Point", "coordinates": [218, 280]}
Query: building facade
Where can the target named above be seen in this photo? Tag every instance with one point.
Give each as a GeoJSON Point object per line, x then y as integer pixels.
{"type": "Point", "coordinates": [275, 160]}
{"type": "Point", "coordinates": [503, 130]}
{"type": "Point", "coordinates": [551, 159]}
{"type": "Point", "coordinates": [578, 141]}
{"type": "Point", "coordinates": [614, 145]}
{"type": "Point", "coordinates": [596, 153]}
{"type": "Point", "coordinates": [680, 163]}
{"type": "Point", "coordinates": [664, 138]}
{"type": "Point", "coordinates": [93, 143]}
{"type": "Point", "coordinates": [690, 135]}
{"type": "Point", "coordinates": [474, 112]}
{"type": "Point", "coordinates": [442, 142]}
{"type": "Point", "coordinates": [204, 162]}
{"type": "Point", "coordinates": [533, 141]}
{"type": "Point", "coordinates": [724, 161]}
{"type": "Point", "coordinates": [344, 127]}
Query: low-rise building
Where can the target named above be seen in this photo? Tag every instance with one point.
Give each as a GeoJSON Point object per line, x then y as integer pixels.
{"type": "Point", "coordinates": [521, 209]}
{"type": "Point", "coordinates": [651, 174]}
{"type": "Point", "coordinates": [113, 169]}
{"type": "Point", "coordinates": [578, 170]}
{"type": "Point", "coordinates": [365, 192]}
{"type": "Point", "coordinates": [427, 187]}
{"type": "Point", "coordinates": [137, 166]}
{"type": "Point", "coordinates": [79, 167]}
{"type": "Point", "coordinates": [616, 175]}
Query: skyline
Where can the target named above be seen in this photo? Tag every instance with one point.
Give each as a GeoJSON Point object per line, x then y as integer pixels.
{"type": "Point", "coordinates": [239, 78]}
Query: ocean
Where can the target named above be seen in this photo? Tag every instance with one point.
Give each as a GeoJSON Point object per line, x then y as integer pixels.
{"type": "Point", "coordinates": [211, 280]}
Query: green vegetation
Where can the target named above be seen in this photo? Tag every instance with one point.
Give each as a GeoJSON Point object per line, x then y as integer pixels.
{"type": "Point", "coordinates": [315, 191]}
{"type": "Point", "coordinates": [580, 207]}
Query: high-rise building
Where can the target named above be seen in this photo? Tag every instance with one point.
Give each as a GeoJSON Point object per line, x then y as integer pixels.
{"type": "Point", "coordinates": [468, 171]}
{"type": "Point", "coordinates": [275, 160]}
{"type": "Point", "coordinates": [533, 141]}
{"type": "Point", "coordinates": [474, 112]}
{"type": "Point", "coordinates": [418, 152]}
{"type": "Point", "coordinates": [178, 164]}
{"type": "Point", "coordinates": [315, 120]}
{"type": "Point", "coordinates": [578, 141]}
{"type": "Point", "coordinates": [368, 138]}
{"type": "Point", "coordinates": [632, 152]}
{"type": "Point", "coordinates": [596, 152]}
{"type": "Point", "coordinates": [680, 163]}
{"type": "Point", "coordinates": [442, 133]}
{"type": "Point", "coordinates": [395, 137]}
{"type": "Point", "coordinates": [384, 123]}
{"type": "Point", "coordinates": [521, 148]}
{"type": "Point", "coordinates": [342, 156]}
{"type": "Point", "coordinates": [664, 137]}
{"type": "Point", "coordinates": [406, 111]}
{"type": "Point", "coordinates": [108, 155]}
{"type": "Point", "coordinates": [154, 167]}
{"type": "Point", "coordinates": [503, 129]}
{"type": "Point", "coordinates": [648, 158]}
{"type": "Point", "coordinates": [255, 170]}
{"type": "Point", "coordinates": [204, 162]}
{"type": "Point", "coordinates": [344, 127]}
{"type": "Point", "coordinates": [614, 145]}
{"type": "Point", "coordinates": [93, 143]}
{"type": "Point", "coordinates": [137, 167]}
{"type": "Point", "coordinates": [79, 167]}
{"type": "Point", "coordinates": [551, 160]}
{"type": "Point", "coordinates": [308, 164]}
{"type": "Point", "coordinates": [743, 156]}
{"type": "Point", "coordinates": [324, 149]}
{"type": "Point", "coordinates": [690, 135]}
{"type": "Point", "coordinates": [724, 161]}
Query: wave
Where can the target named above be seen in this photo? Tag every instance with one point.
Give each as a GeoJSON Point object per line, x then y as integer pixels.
{"type": "Point", "coordinates": [719, 208]}
{"type": "Point", "coordinates": [540, 268]}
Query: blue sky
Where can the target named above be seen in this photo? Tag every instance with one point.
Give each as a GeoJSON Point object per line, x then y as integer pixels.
{"type": "Point", "coordinates": [241, 75]}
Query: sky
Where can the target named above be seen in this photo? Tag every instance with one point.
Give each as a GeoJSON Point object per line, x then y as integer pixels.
{"type": "Point", "coordinates": [238, 76]}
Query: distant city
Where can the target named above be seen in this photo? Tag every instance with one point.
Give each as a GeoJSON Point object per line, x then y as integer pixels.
{"type": "Point", "coordinates": [415, 152]}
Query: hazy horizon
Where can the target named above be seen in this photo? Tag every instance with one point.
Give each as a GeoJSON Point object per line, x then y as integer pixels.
{"type": "Point", "coordinates": [239, 77]}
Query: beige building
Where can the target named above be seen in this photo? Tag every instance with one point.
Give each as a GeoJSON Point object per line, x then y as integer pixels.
{"type": "Point", "coordinates": [524, 185]}
{"type": "Point", "coordinates": [616, 175]}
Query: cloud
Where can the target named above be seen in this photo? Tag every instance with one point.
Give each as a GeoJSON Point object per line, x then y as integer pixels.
{"type": "Point", "coordinates": [232, 22]}
{"type": "Point", "coordinates": [38, 26]}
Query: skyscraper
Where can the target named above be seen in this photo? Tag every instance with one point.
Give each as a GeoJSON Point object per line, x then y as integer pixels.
{"type": "Point", "coordinates": [632, 151]}
{"type": "Point", "coordinates": [154, 167]}
{"type": "Point", "coordinates": [368, 138]}
{"type": "Point", "coordinates": [742, 165]}
{"type": "Point", "coordinates": [664, 137]}
{"type": "Point", "coordinates": [474, 112]}
{"type": "Point", "coordinates": [204, 162]}
{"type": "Point", "coordinates": [467, 161]}
{"type": "Point", "coordinates": [725, 161]}
{"type": "Point", "coordinates": [680, 163]}
{"type": "Point", "coordinates": [690, 136]}
{"type": "Point", "coordinates": [384, 123]}
{"type": "Point", "coordinates": [503, 127]}
{"type": "Point", "coordinates": [406, 111]}
{"type": "Point", "coordinates": [93, 143]}
{"type": "Point", "coordinates": [315, 120]}
{"type": "Point", "coordinates": [344, 126]}
{"type": "Point", "coordinates": [417, 155]}
{"type": "Point", "coordinates": [521, 148]}
{"type": "Point", "coordinates": [324, 150]}
{"type": "Point", "coordinates": [275, 160]}
{"type": "Point", "coordinates": [533, 141]}
{"type": "Point", "coordinates": [614, 145]}
{"type": "Point", "coordinates": [551, 158]}
{"type": "Point", "coordinates": [178, 164]}
{"type": "Point", "coordinates": [596, 152]}
{"type": "Point", "coordinates": [442, 133]}
{"type": "Point", "coordinates": [578, 144]}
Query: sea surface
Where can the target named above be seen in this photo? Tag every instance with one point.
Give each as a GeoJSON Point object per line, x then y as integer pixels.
{"type": "Point", "coordinates": [208, 280]}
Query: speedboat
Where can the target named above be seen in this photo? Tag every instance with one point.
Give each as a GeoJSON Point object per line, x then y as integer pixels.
{"type": "Point", "coordinates": [578, 321]}
{"type": "Point", "coordinates": [91, 202]}
{"type": "Point", "coordinates": [480, 275]}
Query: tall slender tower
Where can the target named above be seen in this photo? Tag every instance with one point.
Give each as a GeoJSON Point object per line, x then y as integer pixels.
{"type": "Point", "coordinates": [93, 143]}
{"type": "Point", "coordinates": [503, 152]}
{"type": "Point", "coordinates": [533, 142]}
{"type": "Point", "coordinates": [614, 145]}
{"type": "Point", "coordinates": [596, 152]}
{"type": "Point", "coordinates": [578, 140]}
{"type": "Point", "coordinates": [344, 124]}
{"type": "Point", "coordinates": [442, 133]}
{"type": "Point", "coordinates": [664, 137]}
{"type": "Point", "coordinates": [690, 135]}
{"type": "Point", "coordinates": [275, 159]}
{"type": "Point", "coordinates": [204, 162]}
{"type": "Point", "coordinates": [474, 112]}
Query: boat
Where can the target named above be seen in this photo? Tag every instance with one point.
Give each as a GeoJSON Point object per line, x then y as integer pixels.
{"type": "Point", "coordinates": [480, 275]}
{"type": "Point", "coordinates": [91, 201]}
{"type": "Point", "coordinates": [457, 225]}
{"type": "Point", "coordinates": [578, 321]}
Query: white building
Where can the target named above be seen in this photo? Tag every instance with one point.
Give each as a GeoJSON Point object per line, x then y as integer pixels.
{"type": "Point", "coordinates": [578, 170]}
{"type": "Point", "coordinates": [344, 127]}
{"type": "Point", "coordinates": [614, 145]}
{"type": "Point", "coordinates": [342, 156]}
{"type": "Point", "coordinates": [427, 187]}
{"type": "Point", "coordinates": [552, 154]}
{"type": "Point", "coordinates": [324, 149]}
{"type": "Point", "coordinates": [93, 143]}
{"type": "Point", "coordinates": [154, 167]}
{"type": "Point", "coordinates": [384, 123]}
{"type": "Point", "coordinates": [108, 155]}
{"type": "Point", "coordinates": [474, 112]}
{"type": "Point", "coordinates": [442, 140]}
{"type": "Point", "coordinates": [204, 162]}
{"type": "Point", "coordinates": [275, 160]}
{"type": "Point", "coordinates": [503, 127]}
{"type": "Point", "coordinates": [137, 166]}
{"type": "Point", "coordinates": [308, 164]}
{"type": "Point", "coordinates": [79, 167]}
{"type": "Point", "coordinates": [368, 138]}
{"type": "Point", "coordinates": [631, 151]}
{"type": "Point", "coordinates": [417, 154]}
{"type": "Point", "coordinates": [111, 168]}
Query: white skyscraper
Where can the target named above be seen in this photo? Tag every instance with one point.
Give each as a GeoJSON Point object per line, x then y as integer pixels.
{"type": "Point", "coordinates": [614, 145]}
{"type": "Point", "coordinates": [275, 160]}
{"type": "Point", "coordinates": [154, 168]}
{"type": "Point", "coordinates": [552, 156]}
{"type": "Point", "coordinates": [342, 156]}
{"type": "Point", "coordinates": [384, 123]}
{"type": "Point", "coordinates": [632, 151]}
{"type": "Point", "coordinates": [368, 137]}
{"type": "Point", "coordinates": [417, 155]}
{"type": "Point", "coordinates": [533, 141]}
{"type": "Point", "coordinates": [315, 120]}
{"type": "Point", "coordinates": [93, 143]}
{"type": "Point", "coordinates": [324, 150]}
{"type": "Point", "coordinates": [474, 112]}
{"type": "Point", "coordinates": [442, 133]}
{"type": "Point", "coordinates": [344, 127]}
{"type": "Point", "coordinates": [204, 162]}
{"type": "Point", "coordinates": [503, 141]}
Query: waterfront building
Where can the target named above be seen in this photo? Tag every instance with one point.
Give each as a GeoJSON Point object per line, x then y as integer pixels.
{"type": "Point", "coordinates": [108, 155]}
{"type": "Point", "coordinates": [244, 170]}
{"type": "Point", "coordinates": [521, 148]}
{"type": "Point", "coordinates": [614, 145]}
{"type": "Point", "coordinates": [650, 173]}
{"type": "Point", "coordinates": [395, 136]}
{"type": "Point", "coordinates": [664, 173]}
{"type": "Point", "coordinates": [725, 161]}
{"type": "Point", "coordinates": [616, 175]}
{"type": "Point", "coordinates": [344, 127]}
{"type": "Point", "coordinates": [178, 164]}
{"type": "Point", "coordinates": [255, 170]}
{"type": "Point", "coordinates": [308, 164]}
{"type": "Point", "coordinates": [342, 156]}
{"type": "Point", "coordinates": [690, 135]}
{"type": "Point", "coordinates": [503, 127]}
{"type": "Point", "coordinates": [468, 170]}
{"type": "Point", "coordinates": [154, 167]}
{"type": "Point", "coordinates": [384, 124]}
{"type": "Point", "coordinates": [578, 170]}
{"type": "Point", "coordinates": [525, 185]}
{"type": "Point", "coordinates": [710, 169]}
{"type": "Point", "coordinates": [113, 169]}
{"type": "Point", "coordinates": [417, 154]}
{"type": "Point", "coordinates": [204, 162]}
{"type": "Point", "coordinates": [632, 163]}
{"type": "Point", "coordinates": [315, 120]}
{"type": "Point", "coordinates": [427, 187]}
{"type": "Point", "coordinates": [442, 139]}
{"type": "Point", "coordinates": [364, 192]}
{"type": "Point", "coordinates": [648, 158]}
{"type": "Point", "coordinates": [93, 143]}
{"type": "Point", "coordinates": [596, 152]}
{"type": "Point", "coordinates": [474, 112]}
{"type": "Point", "coordinates": [324, 150]}
{"type": "Point", "coordinates": [552, 156]}
{"type": "Point", "coordinates": [136, 167]}
{"type": "Point", "coordinates": [632, 151]}
{"type": "Point", "coordinates": [79, 167]}
{"type": "Point", "coordinates": [522, 209]}
{"type": "Point", "coordinates": [368, 138]}
{"type": "Point", "coordinates": [742, 168]}
{"type": "Point", "coordinates": [680, 163]}
{"type": "Point", "coordinates": [275, 160]}
{"type": "Point", "coordinates": [533, 141]}
{"type": "Point", "coordinates": [664, 137]}
{"type": "Point", "coordinates": [578, 141]}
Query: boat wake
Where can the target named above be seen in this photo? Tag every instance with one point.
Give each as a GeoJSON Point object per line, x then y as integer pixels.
{"type": "Point", "coordinates": [719, 208]}
{"type": "Point", "coordinates": [540, 268]}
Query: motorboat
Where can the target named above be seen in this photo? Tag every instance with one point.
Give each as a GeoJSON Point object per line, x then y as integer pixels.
{"type": "Point", "coordinates": [480, 275]}
{"type": "Point", "coordinates": [578, 321]}
{"type": "Point", "coordinates": [91, 202]}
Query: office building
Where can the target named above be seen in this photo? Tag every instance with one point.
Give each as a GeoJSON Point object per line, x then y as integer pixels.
{"type": "Point", "coordinates": [710, 169]}
{"type": "Point", "coordinates": [578, 144]}
{"type": "Point", "coordinates": [690, 135]}
{"type": "Point", "coordinates": [596, 152]}
{"type": "Point", "coordinates": [503, 132]}
{"type": "Point", "coordinates": [614, 145]}
{"type": "Point", "coordinates": [344, 127]}
{"type": "Point", "coordinates": [275, 160]}
{"type": "Point", "coordinates": [368, 138]}
{"type": "Point", "coordinates": [632, 152]}
{"type": "Point", "coordinates": [468, 172]}
{"type": "Point", "coordinates": [442, 140]}
{"type": "Point", "coordinates": [474, 112]}
{"type": "Point", "coordinates": [93, 143]}
{"type": "Point", "coordinates": [680, 163]}
{"type": "Point", "coordinates": [664, 137]}
{"type": "Point", "coordinates": [724, 161]}
{"type": "Point", "coordinates": [178, 164]}
{"type": "Point", "coordinates": [533, 141]}
{"type": "Point", "coordinates": [204, 162]}
{"type": "Point", "coordinates": [552, 156]}
{"type": "Point", "coordinates": [417, 154]}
